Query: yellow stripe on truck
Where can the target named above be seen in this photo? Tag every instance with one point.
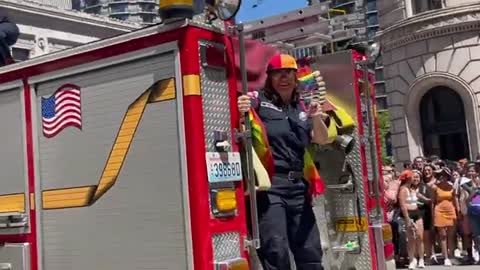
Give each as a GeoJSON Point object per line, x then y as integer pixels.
{"type": "Point", "coordinates": [67, 198]}
{"type": "Point", "coordinates": [164, 90]}
{"type": "Point", "coordinates": [122, 144]}
{"type": "Point", "coordinates": [12, 203]}
{"type": "Point", "coordinates": [87, 195]}
{"type": "Point", "coordinates": [191, 85]}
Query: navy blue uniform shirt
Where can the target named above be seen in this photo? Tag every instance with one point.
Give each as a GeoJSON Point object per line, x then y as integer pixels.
{"type": "Point", "coordinates": [289, 131]}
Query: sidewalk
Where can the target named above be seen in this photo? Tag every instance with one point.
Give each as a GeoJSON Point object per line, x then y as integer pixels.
{"type": "Point", "coordinates": [460, 267]}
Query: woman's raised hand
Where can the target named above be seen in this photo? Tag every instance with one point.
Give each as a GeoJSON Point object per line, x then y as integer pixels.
{"type": "Point", "coordinates": [315, 110]}
{"type": "Point", "coordinates": [244, 103]}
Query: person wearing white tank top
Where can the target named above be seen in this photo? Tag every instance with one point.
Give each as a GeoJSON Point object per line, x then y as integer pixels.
{"type": "Point", "coordinates": [408, 200]}
{"type": "Point", "coordinates": [411, 199]}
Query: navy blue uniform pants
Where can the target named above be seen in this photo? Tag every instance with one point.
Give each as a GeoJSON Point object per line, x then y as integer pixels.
{"type": "Point", "coordinates": [288, 223]}
{"type": "Point", "coordinates": [8, 36]}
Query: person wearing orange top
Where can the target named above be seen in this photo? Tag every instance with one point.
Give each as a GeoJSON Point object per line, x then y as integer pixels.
{"type": "Point", "coordinates": [445, 212]}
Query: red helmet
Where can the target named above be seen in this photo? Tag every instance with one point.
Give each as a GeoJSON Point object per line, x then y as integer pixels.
{"type": "Point", "coordinates": [282, 61]}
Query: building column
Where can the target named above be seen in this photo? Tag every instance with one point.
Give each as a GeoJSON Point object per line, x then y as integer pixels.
{"type": "Point", "coordinates": [409, 8]}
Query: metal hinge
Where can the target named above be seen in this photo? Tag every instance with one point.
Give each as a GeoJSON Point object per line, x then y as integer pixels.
{"type": "Point", "coordinates": [364, 140]}
{"type": "Point", "coordinates": [5, 266]}
{"type": "Point", "coordinates": [13, 220]}
{"type": "Point", "coordinates": [250, 244]}
{"type": "Point", "coordinates": [375, 217]}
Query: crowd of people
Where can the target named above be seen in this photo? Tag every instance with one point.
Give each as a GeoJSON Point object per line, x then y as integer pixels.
{"type": "Point", "coordinates": [434, 209]}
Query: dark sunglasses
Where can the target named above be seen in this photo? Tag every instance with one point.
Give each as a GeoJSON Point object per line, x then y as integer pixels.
{"type": "Point", "coordinates": [282, 72]}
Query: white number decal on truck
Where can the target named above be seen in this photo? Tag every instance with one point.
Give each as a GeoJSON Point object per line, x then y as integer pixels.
{"type": "Point", "coordinates": [223, 167]}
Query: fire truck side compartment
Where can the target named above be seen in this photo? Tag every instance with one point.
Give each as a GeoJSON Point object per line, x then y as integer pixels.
{"type": "Point", "coordinates": [12, 158]}
{"type": "Point", "coordinates": [140, 221]}
{"type": "Point", "coordinates": [15, 256]}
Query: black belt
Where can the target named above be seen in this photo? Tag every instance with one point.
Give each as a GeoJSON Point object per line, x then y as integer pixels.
{"type": "Point", "coordinates": [292, 175]}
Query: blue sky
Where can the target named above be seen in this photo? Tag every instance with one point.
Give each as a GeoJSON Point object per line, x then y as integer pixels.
{"type": "Point", "coordinates": [266, 8]}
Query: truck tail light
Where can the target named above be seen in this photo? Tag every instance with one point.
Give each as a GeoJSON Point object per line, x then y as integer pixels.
{"type": "Point", "coordinates": [226, 200]}
{"type": "Point", "coordinates": [389, 250]}
{"type": "Point", "coordinates": [223, 202]}
{"type": "Point", "coordinates": [388, 244]}
{"type": "Point", "coordinates": [387, 233]}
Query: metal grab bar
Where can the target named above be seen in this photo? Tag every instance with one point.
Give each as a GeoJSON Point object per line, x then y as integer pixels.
{"type": "Point", "coordinates": [254, 242]}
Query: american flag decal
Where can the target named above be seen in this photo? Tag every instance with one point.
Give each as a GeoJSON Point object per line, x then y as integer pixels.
{"type": "Point", "coordinates": [62, 109]}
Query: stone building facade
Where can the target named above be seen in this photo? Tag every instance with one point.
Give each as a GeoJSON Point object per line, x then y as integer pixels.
{"type": "Point", "coordinates": [45, 28]}
{"type": "Point", "coordinates": [431, 57]}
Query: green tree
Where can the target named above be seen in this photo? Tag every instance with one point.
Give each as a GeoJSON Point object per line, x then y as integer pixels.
{"type": "Point", "coordinates": [383, 129]}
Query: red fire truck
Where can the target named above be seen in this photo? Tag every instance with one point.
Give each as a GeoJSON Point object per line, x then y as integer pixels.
{"type": "Point", "coordinates": [122, 154]}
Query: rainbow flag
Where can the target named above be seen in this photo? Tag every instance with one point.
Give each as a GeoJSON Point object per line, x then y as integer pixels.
{"type": "Point", "coordinates": [260, 142]}
{"type": "Point", "coordinates": [308, 88]}
{"type": "Point", "coordinates": [262, 148]}
{"type": "Point", "coordinates": [311, 173]}
{"type": "Point", "coordinates": [307, 83]}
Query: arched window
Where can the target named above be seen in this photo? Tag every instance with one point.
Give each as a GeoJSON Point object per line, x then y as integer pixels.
{"type": "Point", "coordinates": [444, 128]}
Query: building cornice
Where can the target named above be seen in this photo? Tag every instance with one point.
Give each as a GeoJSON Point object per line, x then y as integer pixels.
{"type": "Point", "coordinates": [431, 24]}
{"type": "Point", "coordinates": [70, 15]}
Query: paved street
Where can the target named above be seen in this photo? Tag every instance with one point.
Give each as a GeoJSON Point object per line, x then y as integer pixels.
{"type": "Point", "coordinates": [456, 267]}
{"type": "Point", "coordinates": [441, 267]}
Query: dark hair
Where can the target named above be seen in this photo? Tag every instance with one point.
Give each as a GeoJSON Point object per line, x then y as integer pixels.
{"type": "Point", "coordinates": [469, 166]}
{"type": "Point", "coordinates": [444, 175]}
{"type": "Point", "coordinates": [459, 171]}
{"type": "Point", "coordinates": [440, 163]}
{"type": "Point", "coordinates": [273, 95]}
{"type": "Point", "coordinates": [433, 158]}
{"type": "Point", "coordinates": [407, 164]}
{"type": "Point", "coordinates": [431, 167]}
{"type": "Point", "coordinates": [420, 174]}
{"type": "Point", "coordinates": [419, 157]}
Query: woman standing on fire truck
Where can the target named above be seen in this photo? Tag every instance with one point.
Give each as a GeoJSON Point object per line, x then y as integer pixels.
{"type": "Point", "coordinates": [286, 218]}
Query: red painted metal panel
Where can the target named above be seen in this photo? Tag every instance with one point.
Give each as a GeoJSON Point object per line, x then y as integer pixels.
{"type": "Point", "coordinates": [195, 147]}
{"type": "Point", "coordinates": [358, 75]}
{"type": "Point", "coordinates": [30, 237]}
{"type": "Point", "coordinates": [195, 142]}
